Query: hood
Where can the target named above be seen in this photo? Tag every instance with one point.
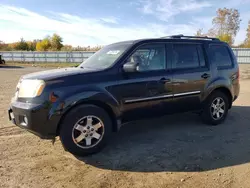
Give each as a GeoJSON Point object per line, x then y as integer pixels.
{"type": "Point", "coordinates": [57, 73]}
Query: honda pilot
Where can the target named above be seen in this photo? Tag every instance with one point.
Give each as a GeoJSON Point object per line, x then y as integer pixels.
{"type": "Point", "coordinates": [126, 81]}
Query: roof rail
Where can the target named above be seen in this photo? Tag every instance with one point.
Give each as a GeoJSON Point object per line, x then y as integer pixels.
{"type": "Point", "coordinates": [190, 37]}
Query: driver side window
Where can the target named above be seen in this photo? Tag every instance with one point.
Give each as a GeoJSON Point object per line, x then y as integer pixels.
{"type": "Point", "coordinates": [150, 57]}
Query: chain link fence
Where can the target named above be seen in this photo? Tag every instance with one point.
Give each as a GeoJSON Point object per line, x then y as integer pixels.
{"type": "Point", "coordinates": [44, 57]}
{"type": "Point", "coordinates": [242, 54]}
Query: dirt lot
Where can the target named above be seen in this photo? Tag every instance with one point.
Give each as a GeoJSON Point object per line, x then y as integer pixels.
{"type": "Point", "coordinates": [173, 151]}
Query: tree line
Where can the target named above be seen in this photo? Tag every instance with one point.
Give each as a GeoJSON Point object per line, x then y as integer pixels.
{"type": "Point", "coordinates": [225, 26]}
{"type": "Point", "coordinates": [49, 43]}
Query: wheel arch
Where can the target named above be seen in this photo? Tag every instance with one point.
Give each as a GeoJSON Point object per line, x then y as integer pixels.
{"type": "Point", "coordinates": [224, 90]}
{"type": "Point", "coordinates": [99, 104]}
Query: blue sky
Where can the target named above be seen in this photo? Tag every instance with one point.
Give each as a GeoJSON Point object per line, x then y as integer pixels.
{"type": "Point", "coordinates": [99, 22]}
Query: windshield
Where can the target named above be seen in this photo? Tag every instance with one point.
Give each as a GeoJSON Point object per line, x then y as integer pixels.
{"type": "Point", "coordinates": [105, 57]}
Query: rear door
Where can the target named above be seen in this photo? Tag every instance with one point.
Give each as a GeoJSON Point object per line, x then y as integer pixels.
{"type": "Point", "coordinates": [191, 74]}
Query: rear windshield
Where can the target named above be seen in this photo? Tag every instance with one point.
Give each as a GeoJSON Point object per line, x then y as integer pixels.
{"type": "Point", "coordinates": [220, 55]}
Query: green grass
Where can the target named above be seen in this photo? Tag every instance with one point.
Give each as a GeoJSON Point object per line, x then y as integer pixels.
{"type": "Point", "coordinates": [42, 64]}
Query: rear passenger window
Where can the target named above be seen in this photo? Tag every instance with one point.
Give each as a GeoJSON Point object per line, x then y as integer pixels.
{"type": "Point", "coordinates": [188, 56]}
{"type": "Point", "coordinates": [220, 56]}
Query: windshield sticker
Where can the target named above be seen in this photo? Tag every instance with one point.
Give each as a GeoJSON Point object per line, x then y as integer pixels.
{"type": "Point", "coordinates": [115, 52]}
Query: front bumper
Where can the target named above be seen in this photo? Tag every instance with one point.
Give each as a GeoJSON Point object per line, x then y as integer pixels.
{"type": "Point", "coordinates": [34, 118]}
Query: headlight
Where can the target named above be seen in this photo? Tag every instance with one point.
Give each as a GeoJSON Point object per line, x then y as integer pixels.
{"type": "Point", "coordinates": [30, 88]}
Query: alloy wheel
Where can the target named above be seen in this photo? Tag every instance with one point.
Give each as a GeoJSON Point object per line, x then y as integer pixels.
{"type": "Point", "coordinates": [88, 132]}
{"type": "Point", "coordinates": [217, 108]}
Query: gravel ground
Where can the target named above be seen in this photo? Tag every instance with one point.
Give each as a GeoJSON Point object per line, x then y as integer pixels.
{"type": "Point", "coordinates": [172, 151]}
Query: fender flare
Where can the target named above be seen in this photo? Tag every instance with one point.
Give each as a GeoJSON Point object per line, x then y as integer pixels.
{"type": "Point", "coordinates": [218, 84]}
{"type": "Point", "coordinates": [102, 99]}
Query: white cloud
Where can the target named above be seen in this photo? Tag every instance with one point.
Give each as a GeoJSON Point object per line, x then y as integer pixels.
{"type": "Point", "coordinates": [235, 3]}
{"type": "Point", "coordinates": [204, 22]}
{"type": "Point", "coordinates": [18, 22]}
{"type": "Point", "coordinates": [193, 5]}
{"type": "Point", "coordinates": [76, 30]}
{"type": "Point", "coordinates": [147, 8]}
{"type": "Point", "coordinates": [112, 20]}
{"type": "Point", "coordinates": [165, 9]}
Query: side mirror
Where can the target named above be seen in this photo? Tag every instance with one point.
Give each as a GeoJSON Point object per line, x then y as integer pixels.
{"type": "Point", "coordinates": [130, 67]}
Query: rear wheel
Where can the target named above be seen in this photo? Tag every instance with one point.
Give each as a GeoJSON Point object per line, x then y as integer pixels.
{"type": "Point", "coordinates": [215, 109]}
{"type": "Point", "coordinates": [85, 130]}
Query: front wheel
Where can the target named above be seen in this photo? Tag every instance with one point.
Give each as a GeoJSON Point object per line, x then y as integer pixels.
{"type": "Point", "coordinates": [215, 109]}
{"type": "Point", "coordinates": [85, 130]}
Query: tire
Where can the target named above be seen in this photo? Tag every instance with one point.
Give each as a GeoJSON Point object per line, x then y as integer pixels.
{"type": "Point", "coordinates": [208, 116]}
{"type": "Point", "coordinates": [75, 126]}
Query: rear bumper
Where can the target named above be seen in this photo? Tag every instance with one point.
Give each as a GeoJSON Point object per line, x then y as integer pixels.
{"type": "Point", "coordinates": [235, 97]}
{"type": "Point", "coordinates": [34, 118]}
{"type": "Point", "coordinates": [236, 88]}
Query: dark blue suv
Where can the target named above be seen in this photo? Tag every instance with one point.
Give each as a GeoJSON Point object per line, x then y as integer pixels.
{"type": "Point", "coordinates": [127, 81]}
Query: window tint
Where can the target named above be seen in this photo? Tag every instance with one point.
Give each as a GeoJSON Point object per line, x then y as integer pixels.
{"type": "Point", "coordinates": [186, 56]}
{"type": "Point", "coordinates": [150, 57]}
{"type": "Point", "coordinates": [220, 55]}
{"type": "Point", "coordinates": [201, 56]}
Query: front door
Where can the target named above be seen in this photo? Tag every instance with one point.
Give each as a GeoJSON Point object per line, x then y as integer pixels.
{"type": "Point", "coordinates": [190, 75]}
{"type": "Point", "coordinates": [142, 93]}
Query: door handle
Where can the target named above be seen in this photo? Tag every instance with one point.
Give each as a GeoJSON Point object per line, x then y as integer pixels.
{"type": "Point", "coordinates": [164, 80]}
{"type": "Point", "coordinates": [205, 75]}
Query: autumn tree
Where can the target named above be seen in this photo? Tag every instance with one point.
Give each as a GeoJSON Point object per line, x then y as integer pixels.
{"type": "Point", "coordinates": [226, 24]}
{"type": "Point", "coordinates": [212, 33]}
{"type": "Point", "coordinates": [95, 48]}
{"type": "Point", "coordinates": [56, 42]}
{"type": "Point", "coordinates": [67, 48]}
{"type": "Point", "coordinates": [43, 45]}
{"type": "Point", "coordinates": [247, 40]}
{"type": "Point", "coordinates": [199, 33]}
{"type": "Point", "coordinates": [21, 45]}
{"type": "Point", "coordinates": [226, 38]}
{"type": "Point", "coordinates": [87, 48]}
{"type": "Point", "coordinates": [32, 45]}
{"type": "Point", "coordinates": [53, 43]}
{"type": "Point", "coordinates": [12, 46]}
{"type": "Point", "coordinates": [4, 46]}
